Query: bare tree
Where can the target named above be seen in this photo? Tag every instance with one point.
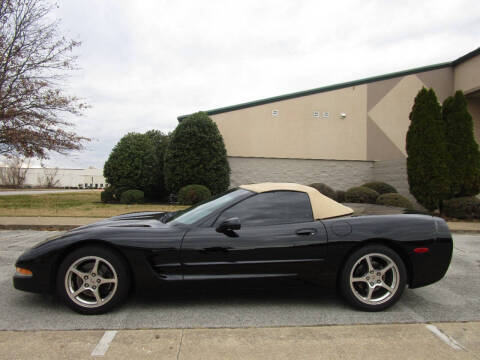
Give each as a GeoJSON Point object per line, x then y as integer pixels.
{"type": "Point", "coordinates": [50, 177]}
{"type": "Point", "coordinates": [34, 63]}
{"type": "Point", "coordinates": [14, 172]}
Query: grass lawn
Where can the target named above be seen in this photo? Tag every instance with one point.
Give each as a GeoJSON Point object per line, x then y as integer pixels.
{"type": "Point", "coordinates": [84, 204]}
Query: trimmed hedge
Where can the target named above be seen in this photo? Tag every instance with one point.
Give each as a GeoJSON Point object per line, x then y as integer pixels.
{"type": "Point", "coordinates": [132, 197]}
{"type": "Point", "coordinates": [131, 164]}
{"type": "Point", "coordinates": [462, 208]}
{"type": "Point", "coordinates": [156, 190]}
{"type": "Point", "coordinates": [107, 195]}
{"type": "Point", "coordinates": [324, 189]}
{"type": "Point", "coordinates": [361, 194]}
{"type": "Point", "coordinates": [193, 194]}
{"type": "Point", "coordinates": [196, 154]}
{"type": "Point", "coordinates": [394, 199]}
{"type": "Point", "coordinates": [340, 195]}
{"type": "Point", "coordinates": [381, 187]}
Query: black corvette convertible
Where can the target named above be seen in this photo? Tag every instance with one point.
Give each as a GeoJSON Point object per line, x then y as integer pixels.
{"type": "Point", "coordinates": [262, 231]}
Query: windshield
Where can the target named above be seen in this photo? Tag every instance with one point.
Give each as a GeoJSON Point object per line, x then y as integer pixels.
{"type": "Point", "coordinates": [199, 211]}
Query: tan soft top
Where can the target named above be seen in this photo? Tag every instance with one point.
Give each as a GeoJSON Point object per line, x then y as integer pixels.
{"type": "Point", "coordinates": [322, 206]}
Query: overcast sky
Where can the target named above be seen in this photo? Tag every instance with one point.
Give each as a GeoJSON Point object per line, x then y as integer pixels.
{"type": "Point", "coordinates": [146, 62]}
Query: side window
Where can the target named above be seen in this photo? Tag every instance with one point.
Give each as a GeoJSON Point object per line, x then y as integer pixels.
{"type": "Point", "coordinates": [271, 208]}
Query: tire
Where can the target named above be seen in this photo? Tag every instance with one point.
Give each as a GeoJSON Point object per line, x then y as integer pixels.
{"type": "Point", "coordinates": [91, 292]}
{"type": "Point", "coordinates": [381, 285]}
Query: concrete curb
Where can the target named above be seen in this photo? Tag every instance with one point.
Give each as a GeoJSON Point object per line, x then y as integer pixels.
{"type": "Point", "coordinates": [39, 227]}
{"type": "Point", "coordinates": [465, 231]}
{"type": "Point", "coordinates": [44, 223]}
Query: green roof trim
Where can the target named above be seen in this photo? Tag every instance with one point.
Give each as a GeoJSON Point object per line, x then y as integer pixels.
{"type": "Point", "coordinates": [466, 57]}
{"type": "Point", "coordinates": [338, 86]}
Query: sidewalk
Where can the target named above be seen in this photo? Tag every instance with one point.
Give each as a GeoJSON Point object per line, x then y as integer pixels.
{"type": "Point", "coordinates": [463, 226]}
{"type": "Point", "coordinates": [38, 192]}
{"type": "Point", "coordinates": [44, 223]}
{"type": "Point", "coordinates": [67, 223]}
{"type": "Point", "coordinates": [388, 341]}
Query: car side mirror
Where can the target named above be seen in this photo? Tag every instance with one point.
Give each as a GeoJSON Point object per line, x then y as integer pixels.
{"type": "Point", "coordinates": [229, 225]}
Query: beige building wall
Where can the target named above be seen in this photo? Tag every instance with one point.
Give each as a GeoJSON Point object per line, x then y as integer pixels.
{"type": "Point", "coordinates": [368, 144]}
{"type": "Point", "coordinates": [474, 110]}
{"type": "Point", "coordinates": [295, 133]}
{"type": "Point", "coordinates": [375, 126]}
{"type": "Point", "coordinates": [389, 105]}
{"type": "Point", "coordinates": [467, 75]}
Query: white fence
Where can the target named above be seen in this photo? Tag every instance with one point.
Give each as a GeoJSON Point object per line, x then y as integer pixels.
{"type": "Point", "coordinates": [64, 178]}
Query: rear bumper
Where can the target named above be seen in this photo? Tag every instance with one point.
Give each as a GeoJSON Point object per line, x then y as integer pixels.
{"type": "Point", "coordinates": [430, 267]}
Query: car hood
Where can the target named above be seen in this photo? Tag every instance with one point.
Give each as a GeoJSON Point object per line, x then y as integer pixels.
{"type": "Point", "coordinates": [136, 219]}
{"type": "Point", "coordinates": [150, 219]}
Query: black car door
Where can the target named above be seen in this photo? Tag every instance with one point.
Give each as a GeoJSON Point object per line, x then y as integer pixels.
{"type": "Point", "coordinates": [278, 238]}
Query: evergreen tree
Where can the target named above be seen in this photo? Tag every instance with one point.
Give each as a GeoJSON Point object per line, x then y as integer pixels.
{"type": "Point", "coordinates": [427, 167]}
{"type": "Point", "coordinates": [464, 157]}
{"type": "Point", "coordinates": [160, 142]}
{"type": "Point", "coordinates": [196, 155]}
{"type": "Point", "coordinates": [131, 164]}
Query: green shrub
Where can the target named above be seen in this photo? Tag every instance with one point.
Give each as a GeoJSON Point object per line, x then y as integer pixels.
{"type": "Point", "coordinates": [193, 194]}
{"type": "Point", "coordinates": [462, 208]}
{"type": "Point", "coordinates": [324, 189]}
{"type": "Point", "coordinates": [118, 191]}
{"type": "Point", "coordinates": [340, 195]}
{"type": "Point", "coordinates": [394, 199]}
{"type": "Point", "coordinates": [381, 187]}
{"type": "Point", "coordinates": [156, 190]}
{"type": "Point", "coordinates": [427, 168]}
{"type": "Point", "coordinates": [132, 197]}
{"type": "Point", "coordinates": [131, 164]}
{"type": "Point", "coordinates": [196, 154]}
{"type": "Point", "coordinates": [361, 194]}
{"type": "Point", "coordinates": [107, 195]}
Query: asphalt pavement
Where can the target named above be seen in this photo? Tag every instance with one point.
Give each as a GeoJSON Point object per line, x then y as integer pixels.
{"type": "Point", "coordinates": [454, 298]}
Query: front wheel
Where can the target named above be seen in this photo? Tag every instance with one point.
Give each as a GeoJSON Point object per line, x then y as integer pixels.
{"type": "Point", "coordinates": [373, 278]}
{"type": "Point", "coordinates": [92, 280]}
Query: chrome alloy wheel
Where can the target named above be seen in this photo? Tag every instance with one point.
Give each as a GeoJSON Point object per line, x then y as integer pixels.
{"type": "Point", "coordinates": [91, 281]}
{"type": "Point", "coordinates": [374, 279]}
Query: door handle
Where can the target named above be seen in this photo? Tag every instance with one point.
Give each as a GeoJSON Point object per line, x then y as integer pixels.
{"type": "Point", "coordinates": [216, 249]}
{"type": "Point", "coordinates": [306, 232]}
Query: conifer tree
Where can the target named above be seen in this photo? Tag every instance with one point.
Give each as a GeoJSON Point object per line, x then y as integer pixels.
{"type": "Point", "coordinates": [427, 167]}
{"type": "Point", "coordinates": [464, 157]}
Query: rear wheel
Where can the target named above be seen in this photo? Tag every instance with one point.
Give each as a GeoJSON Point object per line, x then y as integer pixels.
{"type": "Point", "coordinates": [373, 278]}
{"type": "Point", "coordinates": [92, 280]}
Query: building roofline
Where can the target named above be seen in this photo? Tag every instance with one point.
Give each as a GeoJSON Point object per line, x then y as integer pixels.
{"type": "Point", "coordinates": [338, 86]}
{"type": "Point", "coordinates": [465, 57]}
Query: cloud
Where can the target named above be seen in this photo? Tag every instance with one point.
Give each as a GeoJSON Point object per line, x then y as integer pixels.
{"type": "Point", "coordinates": [144, 63]}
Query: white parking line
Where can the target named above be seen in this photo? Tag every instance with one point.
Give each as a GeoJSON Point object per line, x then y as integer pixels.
{"type": "Point", "coordinates": [445, 338]}
{"type": "Point", "coordinates": [104, 343]}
